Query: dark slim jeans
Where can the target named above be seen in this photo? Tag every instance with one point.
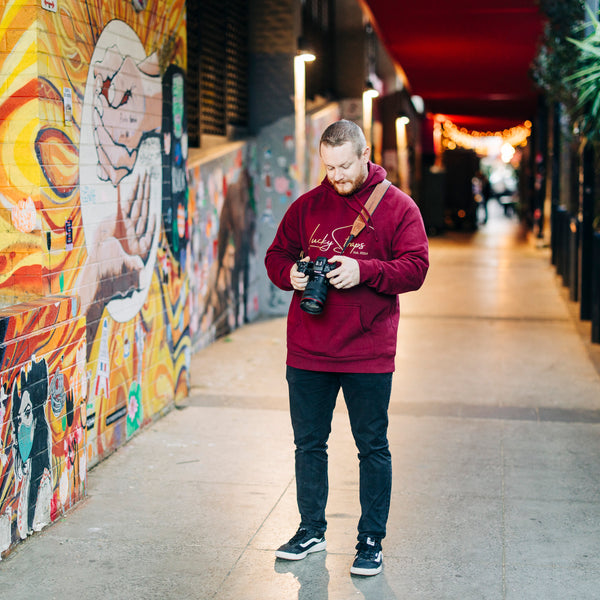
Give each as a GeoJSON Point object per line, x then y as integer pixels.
{"type": "Point", "coordinates": [312, 401]}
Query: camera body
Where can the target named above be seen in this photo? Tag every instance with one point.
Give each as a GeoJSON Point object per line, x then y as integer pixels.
{"type": "Point", "coordinates": [315, 293]}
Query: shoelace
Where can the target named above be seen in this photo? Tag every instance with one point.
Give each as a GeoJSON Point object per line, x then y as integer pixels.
{"type": "Point", "coordinates": [367, 551]}
{"type": "Point", "coordinates": [300, 534]}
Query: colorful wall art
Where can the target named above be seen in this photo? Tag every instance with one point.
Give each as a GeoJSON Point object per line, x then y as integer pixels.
{"type": "Point", "coordinates": [94, 238]}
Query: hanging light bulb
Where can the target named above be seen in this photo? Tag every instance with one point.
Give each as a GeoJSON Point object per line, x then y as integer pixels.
{"type": "Point", "coordinates": [368, 94]}
{"type": "Point", "coordinates": [507, 152]}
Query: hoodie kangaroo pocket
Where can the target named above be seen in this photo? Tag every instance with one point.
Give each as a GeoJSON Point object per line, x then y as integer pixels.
{"type": "Point", "coordinates": [338, 332]}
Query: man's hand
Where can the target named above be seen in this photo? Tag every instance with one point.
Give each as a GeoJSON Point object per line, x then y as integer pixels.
{"type": "Point", "coordinates": [347, 275]}
{"type": "Point", "coordinates": [297, 279]}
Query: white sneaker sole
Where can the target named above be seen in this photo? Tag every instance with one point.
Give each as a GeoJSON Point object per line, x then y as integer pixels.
{"type": "Point", "coordinates": [366, 572]}
{"type": "Point", "coordinates": [291, 556]}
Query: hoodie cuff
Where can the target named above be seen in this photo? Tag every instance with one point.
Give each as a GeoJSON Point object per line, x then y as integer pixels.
{"type": "Point", "coordinates": [367, 269]}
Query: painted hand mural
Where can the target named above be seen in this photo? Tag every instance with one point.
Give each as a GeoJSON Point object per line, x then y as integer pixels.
{"type": "Point", "coordinates": [127, 108]}
{"type": "Point", "coordinates": [120, 252]}
{"type": "Point", "coordinates": [121, 189]}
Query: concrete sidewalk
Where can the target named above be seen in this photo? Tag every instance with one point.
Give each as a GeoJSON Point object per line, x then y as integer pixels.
{"type": "Point", "coordinates": [495, 437]}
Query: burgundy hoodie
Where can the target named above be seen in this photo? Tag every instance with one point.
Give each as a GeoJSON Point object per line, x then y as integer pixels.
{"type": "Point", "coordinates": [357, 330]}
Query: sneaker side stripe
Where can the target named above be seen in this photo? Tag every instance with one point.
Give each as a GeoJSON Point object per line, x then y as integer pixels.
{"type": "Point", "coordinates": [311, 541]}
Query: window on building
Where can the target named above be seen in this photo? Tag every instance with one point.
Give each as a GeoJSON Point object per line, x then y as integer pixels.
{"type": "Point", "coordinates": [317, 34]}
{"type": "Point", "coordinates": [217, 77]}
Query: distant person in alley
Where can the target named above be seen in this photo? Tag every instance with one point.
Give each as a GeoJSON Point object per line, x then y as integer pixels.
{"type": "Point", "coordinates": [348, 247]}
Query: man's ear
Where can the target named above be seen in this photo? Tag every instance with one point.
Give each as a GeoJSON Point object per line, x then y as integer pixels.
{"type": "Point", "coordinates": [366, 154]}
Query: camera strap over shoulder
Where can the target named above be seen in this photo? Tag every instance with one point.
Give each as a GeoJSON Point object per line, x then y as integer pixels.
{"type": "Point", "coordinates": [366, 212]}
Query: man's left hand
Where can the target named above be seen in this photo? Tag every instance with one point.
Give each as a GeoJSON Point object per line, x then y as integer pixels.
{"type": "Point", "coordinates": [346, 275]}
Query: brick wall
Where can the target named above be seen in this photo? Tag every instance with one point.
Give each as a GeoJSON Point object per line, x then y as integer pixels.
{"type": "Point", "coordinates": [94, 237]}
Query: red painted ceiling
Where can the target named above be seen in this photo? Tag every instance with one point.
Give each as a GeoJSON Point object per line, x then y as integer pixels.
{"type": "Point", "coordinates": [468, 59]}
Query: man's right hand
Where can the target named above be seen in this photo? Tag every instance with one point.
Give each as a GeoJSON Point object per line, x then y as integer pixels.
{"type": "Point", "coordinates": [297, 279]}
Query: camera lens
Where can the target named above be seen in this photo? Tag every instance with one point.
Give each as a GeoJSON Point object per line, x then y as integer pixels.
{"type": "Point", "coordinates": [315, 294]}
{"type": "Point", "coordinates": [310, 305]}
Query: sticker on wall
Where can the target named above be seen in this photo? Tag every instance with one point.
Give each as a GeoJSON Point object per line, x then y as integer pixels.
{"type": "Point", "coordinates": [115, 416]}
{"type": "Point", "coordinates": [81, 371]}
{"type": "Point", "coordinates": [69, 234]}
{"type": "Point", "coordinates": [68, 105]}
{"type": "Point", "coordinates": [267, 216]}
{"type": "Point", "coordinates": [267, 177]}
{"type": "Point", "coordinates": [181, 220]}
{"type": "Point", "coordinates": [57, 393]}
{"type": "Point", "coordinates": [135, 410]}
{"type": "Point", "coordinates": [175, 152]}
{"type": "Point", "coordinates": [102, 385]}
{"type": "Point", "coordinates": [32, 468]}
{"type": "Point", "coordinates": [282, 185]}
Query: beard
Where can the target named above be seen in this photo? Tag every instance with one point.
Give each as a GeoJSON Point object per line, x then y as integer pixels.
{"type": "Point", "coordinates": [348, 188]}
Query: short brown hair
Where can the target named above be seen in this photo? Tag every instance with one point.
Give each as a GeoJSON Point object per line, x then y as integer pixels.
{"type": "Point", "coordinates": [343, 131]}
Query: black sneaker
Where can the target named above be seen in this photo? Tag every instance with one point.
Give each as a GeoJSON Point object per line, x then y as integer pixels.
{"type": "Point", "coordinates": [303, 543]}
{"type": "Point", "coordinates": [368, 559]}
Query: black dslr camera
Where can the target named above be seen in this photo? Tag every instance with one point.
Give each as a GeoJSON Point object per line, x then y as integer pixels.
{"type": "Point", "coordinates": [315, 293]}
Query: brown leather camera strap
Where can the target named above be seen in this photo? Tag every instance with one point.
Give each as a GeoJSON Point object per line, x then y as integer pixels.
{"type": "Point", "coordinates": [367, 210]}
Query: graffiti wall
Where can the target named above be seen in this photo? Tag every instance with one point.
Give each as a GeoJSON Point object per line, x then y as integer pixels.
{"type": "Point", "coordinates": [94, 241]}
{"type": "Point", "coordinates": [43, 458]}
{"type": "Point", "coordinates": [223, 266]}
{"type": "Point", "coordinates": [134, 220]}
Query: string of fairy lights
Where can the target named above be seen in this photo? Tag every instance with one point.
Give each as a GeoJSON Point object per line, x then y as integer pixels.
{"type": "Point", "coordinates": [453, 137]}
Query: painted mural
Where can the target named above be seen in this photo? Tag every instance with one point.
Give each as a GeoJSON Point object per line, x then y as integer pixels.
{"type": "Point", "coordinates": [134, 300]}
{"type": "Point", "coordinates": [118, 256]}
{"type": "Point", "coordinates": [94, 240]}
{"type": "Point", "coordinates": [224, 261]}
{"type": "Point", "coordinates": [43, 458]}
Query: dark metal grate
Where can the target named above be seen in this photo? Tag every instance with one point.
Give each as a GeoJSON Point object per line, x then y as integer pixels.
{"type": "Point", "coordinates": [212, 68]}
{"type": "Point", "coordinates": [192, 81]}
{"type": "Point", "coordinates": [236, 92]}
{"type": "Point", "coordinates": [217, 66]}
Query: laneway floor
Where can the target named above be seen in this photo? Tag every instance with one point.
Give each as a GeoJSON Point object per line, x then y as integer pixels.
{"type": "Point", "coordinates": [495, 437]}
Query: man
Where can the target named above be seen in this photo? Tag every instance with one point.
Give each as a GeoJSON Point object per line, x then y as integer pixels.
{"type": "Point", "coordinates": [352, 343]}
